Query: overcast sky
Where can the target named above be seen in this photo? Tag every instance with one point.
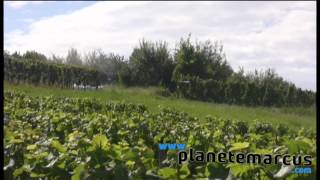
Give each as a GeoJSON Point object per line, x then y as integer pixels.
{"type": "Point", "coordinates": [255, 35]}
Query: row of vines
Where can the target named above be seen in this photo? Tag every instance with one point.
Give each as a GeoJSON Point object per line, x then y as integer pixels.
{"type": "Point", "coordinates": [70, 138]}
{"type": "Point", "coordinates": [37, 72]}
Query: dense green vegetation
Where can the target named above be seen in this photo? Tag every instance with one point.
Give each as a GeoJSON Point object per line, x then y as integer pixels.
{"type": "Point", "coordinates": [153, 98]}
{"type": "Point", "coordinates": [37, 71]}
{"type": "Point", "coordinates": [194, 70]}
{"type": "Point", "coordinates": [150, 64]}
{"type": "Point", "coordinates": [55, 132]}
{"type": "Point", "coordinates": [84, 138]}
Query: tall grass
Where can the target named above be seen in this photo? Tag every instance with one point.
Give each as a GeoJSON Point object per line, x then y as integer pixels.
{"type": "Point", "coordinates": [294, 117]}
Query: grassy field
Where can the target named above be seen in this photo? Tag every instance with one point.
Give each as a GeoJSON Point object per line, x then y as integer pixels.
{"type": "Point", "coordinates": [293, 117]}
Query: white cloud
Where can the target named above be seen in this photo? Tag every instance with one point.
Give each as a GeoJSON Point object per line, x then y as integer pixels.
{"type": "Point", "coordinates": [20, 4]}
{"type": "Point", "coordinates": [27, 20]}
{"type": "Point", "coordinates": [280, 35]}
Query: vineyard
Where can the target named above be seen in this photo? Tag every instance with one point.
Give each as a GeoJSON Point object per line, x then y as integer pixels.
{"type": "Point", "coordinates": [50, 137]}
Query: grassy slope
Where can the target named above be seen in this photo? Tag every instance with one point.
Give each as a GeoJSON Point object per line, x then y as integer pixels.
{"type": "Point", "coordinates": [294, 117]}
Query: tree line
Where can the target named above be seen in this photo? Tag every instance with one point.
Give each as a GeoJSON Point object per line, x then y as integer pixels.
{"type": "Point", "coordinates": [195, 70]}
{"type": "Point", "coordinates": [35, 68]}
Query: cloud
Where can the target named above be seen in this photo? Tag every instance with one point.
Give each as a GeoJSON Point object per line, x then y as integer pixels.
{"type": "Point", "coordinates": [27, 20]}
{"type": "Point", "coordinates": [255, 35]}
{"type": "Point", "coordinates": [20, 4]}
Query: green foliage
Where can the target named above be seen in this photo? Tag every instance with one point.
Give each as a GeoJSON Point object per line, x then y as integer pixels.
{"type": "Point", "coordinates": [200, 69]}
{"type": "Point", "coordinates": [108, 65]}
{"type": "Point", "coordinates": [149, 64]}
{"type": "Point", "coordinates": [239, 146]}
{"type": "Point", "coordinates": [34, 55]}
{"type": "Point", "coordinates": [73, 57]}
{"type": "Point", "coordinates": [265, 89]}
{"type": "Point", "coordinates": [205, 60]}
{"type": "Point", "coordinates": [35, 71]}
{"type": "Point", "coordinates": [195, 70]}
{"type": "Point", "coordinates": [202, 72]}
{"type": "Point", "coordinates": [82, 138]}
{"type": "Point", "coordinates": [168, 173]}
{"type": "Point", "coordinates": [125, 75]}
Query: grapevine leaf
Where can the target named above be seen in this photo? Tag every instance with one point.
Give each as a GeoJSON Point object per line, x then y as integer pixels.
{"type": "Point", "coordinates": [184, 171]}
{"type": "Point", "coordinates": [167, 172]}
{"type": "Point", "coordinates": [100, 141]}
{"type": "Point", "coordinates": [58, 146]}
{"type": "Point", "coordinates": [78, 172]}
{"type": "Point", "coordinates": [239, 146]}
{"type": "Point", "coordinates": [31, 147]}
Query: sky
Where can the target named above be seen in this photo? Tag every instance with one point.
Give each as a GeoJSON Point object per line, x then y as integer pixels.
{"type": "Point", "coordinates": [255, 35]}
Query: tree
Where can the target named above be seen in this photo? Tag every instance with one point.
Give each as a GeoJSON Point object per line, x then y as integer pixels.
{"type": "Point", "coordinates": [202, 59]}
{"type": "Point", "coordinates": [125, 75]}
{"type": "Point", "coordinates": [73, 57]}
{"type": "Point", "coordinates": [57, 59]}
{"type": "Point", "coordinates": [202, 64]}
{"type": "Point", "coordinates": [151, 63]}
{"type": "Point", "coordinates": [16, 55]}
{"type": "Point", "coordinates": [34, 55]}
{"type": "Point", "coordinates": [107, 64]}
{"type": "Point", "coordinates": [234, 89]}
